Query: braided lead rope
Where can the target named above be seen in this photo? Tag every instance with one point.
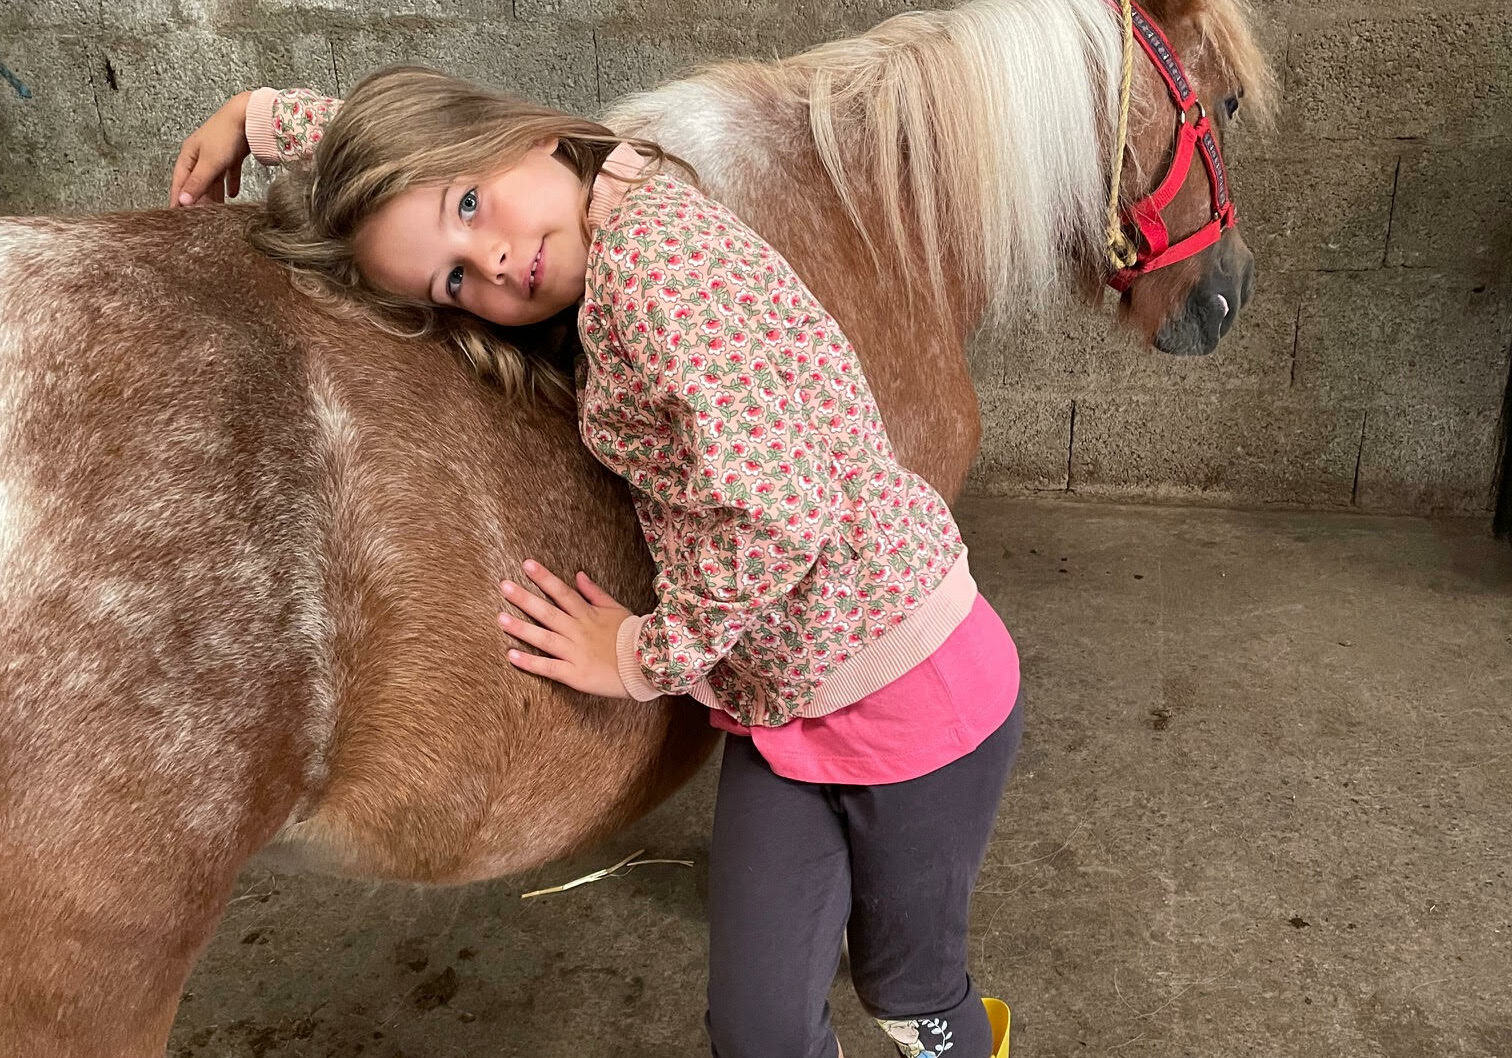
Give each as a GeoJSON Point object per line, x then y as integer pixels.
{"type": "Point", "coordinates": [1121, 252]}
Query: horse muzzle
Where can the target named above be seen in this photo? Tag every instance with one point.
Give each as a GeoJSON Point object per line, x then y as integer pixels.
{"type": "Point", "coordinates": [1213, 304]}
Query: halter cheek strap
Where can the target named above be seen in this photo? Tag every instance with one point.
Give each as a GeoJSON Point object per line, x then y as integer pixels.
{"type": "Point", "coordinates": [1155, 249]}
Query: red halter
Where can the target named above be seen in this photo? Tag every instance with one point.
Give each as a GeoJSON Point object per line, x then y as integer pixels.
{"type": "Point", "coordinates": [1155, 249]}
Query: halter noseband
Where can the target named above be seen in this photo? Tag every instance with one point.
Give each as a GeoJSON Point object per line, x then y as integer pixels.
{"type": "Point", "coordinates": [1155, 249]}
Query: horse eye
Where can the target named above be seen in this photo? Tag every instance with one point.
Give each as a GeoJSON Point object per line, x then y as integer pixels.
{"type": "Point", "coordinates": [1231, 104]}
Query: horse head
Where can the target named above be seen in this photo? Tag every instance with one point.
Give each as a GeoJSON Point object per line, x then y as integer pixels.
{"type": "Point", "coordinates": [1194, 273]}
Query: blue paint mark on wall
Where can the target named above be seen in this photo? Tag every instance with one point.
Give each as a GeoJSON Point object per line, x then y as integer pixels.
{"type": "Point", "coordinates": [19, 85]}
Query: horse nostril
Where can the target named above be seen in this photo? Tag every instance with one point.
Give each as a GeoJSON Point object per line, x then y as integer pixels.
{"type": "Point", "coordinates": [1224, 315]}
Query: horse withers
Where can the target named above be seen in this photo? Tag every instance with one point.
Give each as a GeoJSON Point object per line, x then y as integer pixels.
{"type": "Point", "coordinates": [248, 549]}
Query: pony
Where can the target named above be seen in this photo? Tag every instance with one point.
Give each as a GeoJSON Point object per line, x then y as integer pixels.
{"type": "Point", "coordinates": [249, 549]}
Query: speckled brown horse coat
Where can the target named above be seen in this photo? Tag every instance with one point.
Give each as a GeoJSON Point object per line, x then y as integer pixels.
{"type": "Point", "coordinates": [248, 556]}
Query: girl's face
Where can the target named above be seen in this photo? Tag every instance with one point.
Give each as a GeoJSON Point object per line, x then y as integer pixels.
{"type": "Point", "coordinates": [507, 246]}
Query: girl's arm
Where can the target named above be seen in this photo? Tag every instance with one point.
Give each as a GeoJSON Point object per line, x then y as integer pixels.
{"type": "Point", "coordinates": [275, 127]}
{"type": "Point", "coordinates": [727, 353]}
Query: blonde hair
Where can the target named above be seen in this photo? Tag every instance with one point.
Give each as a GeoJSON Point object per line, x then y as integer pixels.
{"type": "Point", "coordinates": [405, 127]}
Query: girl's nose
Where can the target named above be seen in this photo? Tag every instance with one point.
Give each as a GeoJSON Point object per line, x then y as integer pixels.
{"type": "Point", "coordinates": [490, 258]}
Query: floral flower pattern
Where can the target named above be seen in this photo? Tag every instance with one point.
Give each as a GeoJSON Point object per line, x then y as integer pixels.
{"type": "Point", "coordinates": [299, 115]}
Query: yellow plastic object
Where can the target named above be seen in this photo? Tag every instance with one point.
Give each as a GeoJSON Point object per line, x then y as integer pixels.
{"type": "Point", "coordinates": [999, 1017]}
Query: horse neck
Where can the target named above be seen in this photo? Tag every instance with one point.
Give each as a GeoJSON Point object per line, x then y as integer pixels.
{"type": "Point", "coordinates": [968, 147]}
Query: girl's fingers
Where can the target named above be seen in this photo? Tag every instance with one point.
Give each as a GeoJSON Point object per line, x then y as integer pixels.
{"type": "Point", "coordinates": [181, 170]}
{"type": "Point", "coordinates": [233, 181]}
{"type": "Point", "coordinates": [595, 595]}
{"type": "Point", "coordinates": [563, 593]}
{"type": "Point", "coordinates": [548, 667]}
{"type": "Point", "coordinates": [535, 635]}
{"type": "Point", "coordinates": [537, 607]}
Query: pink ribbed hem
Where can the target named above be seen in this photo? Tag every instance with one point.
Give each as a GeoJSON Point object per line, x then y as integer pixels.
{"type": "Point", "coordinates": [901, 647]}
{"type": "Point", "coordinates": [872, 667]}
{"type": "Point", "coordinates": [259, 126]}
{"type": "Point", "coordinates": [607, 193]}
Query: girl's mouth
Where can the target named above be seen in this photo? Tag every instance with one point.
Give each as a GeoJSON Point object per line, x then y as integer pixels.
{"type": "Point", "coordinates": [536, 270]}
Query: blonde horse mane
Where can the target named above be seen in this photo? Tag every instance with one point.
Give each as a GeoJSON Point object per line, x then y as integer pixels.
{"type": "Point", "coordinates": [973, 128]}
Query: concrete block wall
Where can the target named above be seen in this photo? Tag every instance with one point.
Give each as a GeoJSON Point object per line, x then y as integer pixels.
{"type": "Point", "coordinates": [1368, 373]}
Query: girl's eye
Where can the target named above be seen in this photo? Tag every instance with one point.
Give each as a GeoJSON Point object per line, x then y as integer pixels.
{"type": "Point", "coordinates": [468, 203]}
{"type": "Point", "coordinates": [454, 282]}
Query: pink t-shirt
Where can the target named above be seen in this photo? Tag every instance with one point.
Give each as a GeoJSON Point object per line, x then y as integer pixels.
{"type": "Point", "coordinates": [936, 712]}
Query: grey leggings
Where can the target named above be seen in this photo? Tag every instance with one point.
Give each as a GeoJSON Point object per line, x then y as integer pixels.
{"type": "Point", "coordinates": [792, 863]}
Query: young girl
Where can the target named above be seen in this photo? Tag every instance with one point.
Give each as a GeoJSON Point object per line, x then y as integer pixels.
{"type": "Point", "coordinates": [811, 592]}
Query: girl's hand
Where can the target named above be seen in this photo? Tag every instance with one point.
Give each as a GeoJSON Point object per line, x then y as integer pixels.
{"type": "Point", "coordinates": [578, 633]}
{"type": "Point", "coordinates": [210, 161]}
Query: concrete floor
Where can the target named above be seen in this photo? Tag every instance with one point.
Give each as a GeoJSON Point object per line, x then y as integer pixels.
{"type": "Point", "coordinates": [1262, 809]}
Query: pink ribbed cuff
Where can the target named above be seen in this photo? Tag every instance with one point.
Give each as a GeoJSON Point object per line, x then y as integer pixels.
{"type": "Point", "coordinates": [630, 674]}
{"type": "Point", "coordinates": [259, 126]}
